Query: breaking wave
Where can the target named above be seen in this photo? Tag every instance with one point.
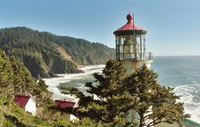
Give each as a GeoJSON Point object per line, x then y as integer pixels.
{"type": "Point", "coordinates": [190, 95]}
{"type": "Point", "coordinates": [53, 83]}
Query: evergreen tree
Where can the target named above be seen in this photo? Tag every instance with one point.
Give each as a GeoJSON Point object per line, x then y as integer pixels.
{"type": "Point", "coordinates": [110, 103]}
{"type": "Point", "coordinates": [6, 74]}
{"type": "Point", "coordinates": [23, 82]}
{"type": "Point", "coordinates": [155, 103]}
{"type": "Point", "coordinates": [118, 95]}
{"type": "Point", "coordinates": [43, 96]}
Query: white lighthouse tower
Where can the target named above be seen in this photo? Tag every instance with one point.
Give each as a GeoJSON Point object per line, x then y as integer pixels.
{"type": "Point", "coordinates": [130, 46]}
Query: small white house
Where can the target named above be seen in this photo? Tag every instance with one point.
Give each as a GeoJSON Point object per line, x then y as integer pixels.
{"type": "Point", "coordinates": [63, 104]}
{"type": "Point", "coordinates": [27, 103]}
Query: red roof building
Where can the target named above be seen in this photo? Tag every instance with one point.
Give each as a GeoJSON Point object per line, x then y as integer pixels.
{"type": "Point", "coordinates": [130, 42]}
{"type": "Point", "coordinates": [26, 102]}
{"type": "Point", "coordinates": [22, 100]}
{"type": "Point", "coordinates": [64, 104]}
{"type": "Point", "coordinates": [130, 27]}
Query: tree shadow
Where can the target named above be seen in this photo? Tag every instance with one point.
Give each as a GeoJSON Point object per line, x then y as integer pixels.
{"type": "Point", "coordinates": [15, 121]}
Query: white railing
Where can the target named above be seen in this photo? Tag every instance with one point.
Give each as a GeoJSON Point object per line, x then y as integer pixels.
{"type": "Point", "coordinates": [135, 57]}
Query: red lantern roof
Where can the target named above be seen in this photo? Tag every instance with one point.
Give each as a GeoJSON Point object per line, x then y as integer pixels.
{"type": "Point", "coordinates": [130, 27]}
{"type": "Point", "coordinates": [22, 100]}
{"type": "Point", "coordinates": [64, 104]}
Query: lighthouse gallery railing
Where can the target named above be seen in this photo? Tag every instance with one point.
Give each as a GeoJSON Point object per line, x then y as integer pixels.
{"type": "Point", "coordinates": [135, 57]}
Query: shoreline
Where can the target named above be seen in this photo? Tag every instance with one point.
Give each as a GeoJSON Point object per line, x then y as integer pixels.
{"type": "Point", "coordinates": [54, 82]}
{"type": "Point", "coordinates": [89, 70]}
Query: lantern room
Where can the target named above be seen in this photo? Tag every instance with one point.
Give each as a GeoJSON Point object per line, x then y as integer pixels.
{"type": "Point", "coordinates": [131, 45]}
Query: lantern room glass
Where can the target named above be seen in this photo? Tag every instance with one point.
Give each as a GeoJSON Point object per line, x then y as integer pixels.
{"type": "Point", "coordinates": [130, 47]}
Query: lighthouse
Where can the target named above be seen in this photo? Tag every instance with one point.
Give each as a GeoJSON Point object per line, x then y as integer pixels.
{"type": "Point", "coordinates": [131, 46]}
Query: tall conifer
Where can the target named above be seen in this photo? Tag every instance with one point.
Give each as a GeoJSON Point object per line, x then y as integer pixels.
{"type": "Point", "coordinates": [108, 102]}
{"type": "Point", "coordinates": [117, 95]}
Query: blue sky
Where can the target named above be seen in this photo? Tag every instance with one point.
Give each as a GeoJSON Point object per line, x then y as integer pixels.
{"type": "Point", "coordinates": [173, 25]}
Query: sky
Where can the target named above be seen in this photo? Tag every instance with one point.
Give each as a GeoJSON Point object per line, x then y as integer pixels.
{"type": "Point", "coordinates": [173, 25]}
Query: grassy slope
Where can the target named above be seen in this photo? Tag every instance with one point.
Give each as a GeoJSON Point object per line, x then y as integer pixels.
{"type": "Point", "coordinates": [11, 113]}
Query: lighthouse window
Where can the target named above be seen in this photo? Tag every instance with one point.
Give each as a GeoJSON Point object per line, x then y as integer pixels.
{"type": "Point", "coordinates": [118, 40]}
{"type": "Point", "coordinates": [121, 49]}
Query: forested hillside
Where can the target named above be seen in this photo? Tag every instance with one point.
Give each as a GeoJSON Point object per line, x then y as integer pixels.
{"type": "Point", "coordinates": [46, 54]}
{"type": "Point", "coordinates": [16, 79]}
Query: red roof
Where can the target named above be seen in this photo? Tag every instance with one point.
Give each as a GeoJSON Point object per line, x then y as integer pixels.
{"type": "Point", "coordinates": [21, 100]}
{"type": "Point", "coordinates": [130, 27]}
{"type": "Point", "coordinates": [64, 104]}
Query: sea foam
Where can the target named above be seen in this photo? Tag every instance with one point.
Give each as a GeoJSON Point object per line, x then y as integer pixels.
{"type": "Point", "coordinates": [191, 106]}
{"type": "Point", "coordinates": [53, 83]}
{"type": "Point", "coordinates": [185, 91]}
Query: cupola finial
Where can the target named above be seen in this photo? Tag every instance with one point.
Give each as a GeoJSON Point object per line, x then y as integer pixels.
{"type": "Point", "coordinates": [130, 18]}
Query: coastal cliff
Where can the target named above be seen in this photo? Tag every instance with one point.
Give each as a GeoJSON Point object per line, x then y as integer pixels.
{"type": "Point", "coordinates": [46, 54]}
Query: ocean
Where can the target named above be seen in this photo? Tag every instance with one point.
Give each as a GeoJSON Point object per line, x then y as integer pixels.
{"type": "Point", "coordinates": [180, 72]}
{"type": "Point", "coordinates": [183, 74]}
